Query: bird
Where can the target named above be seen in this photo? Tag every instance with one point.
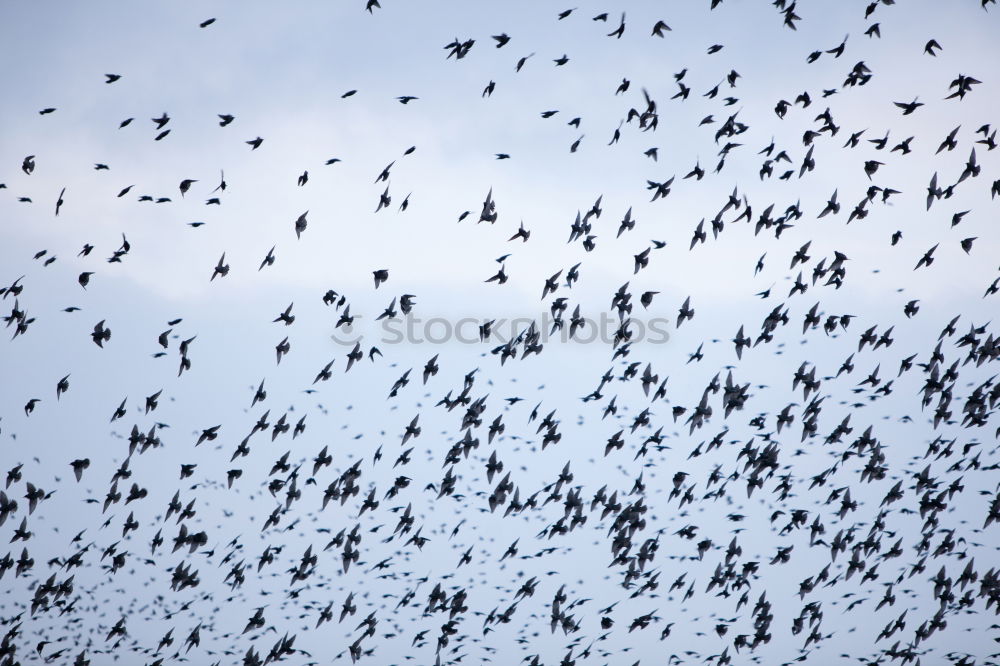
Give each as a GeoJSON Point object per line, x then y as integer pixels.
{"type": "Point", "coordinates": [221, 268]}
{"type": "Point", "coordinates": [928, 258]}
{"type": "Point", "coordinates": [286, 317]}
{"type": "Point", "coordinates": [300, 224]}
{"type": "Point", "coordinates": [101, 334]}
{"type": "Point", "coordinates": [853, 515]}
{"type": "Point", "coordinates": [909, 107]}
{"type": "Point", "coordinates": [268, 259]}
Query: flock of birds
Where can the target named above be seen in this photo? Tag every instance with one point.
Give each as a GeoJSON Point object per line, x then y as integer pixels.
{"type": "Point", "coordinates": [449, 541]}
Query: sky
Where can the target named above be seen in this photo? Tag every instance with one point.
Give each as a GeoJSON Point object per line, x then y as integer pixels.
{"type": "Point", "coordinates": [283, 71]}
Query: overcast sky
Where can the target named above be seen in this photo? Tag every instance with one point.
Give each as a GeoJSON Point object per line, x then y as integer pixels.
{"type": "Point", "coordinates": [282, 70]}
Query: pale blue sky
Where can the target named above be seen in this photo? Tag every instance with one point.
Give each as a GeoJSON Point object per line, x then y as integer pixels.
{"type": "Point", "coordinates": [281, 70]}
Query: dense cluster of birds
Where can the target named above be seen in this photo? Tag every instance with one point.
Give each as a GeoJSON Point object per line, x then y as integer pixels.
{"type": "Point", "coordinates": [457, 539]}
